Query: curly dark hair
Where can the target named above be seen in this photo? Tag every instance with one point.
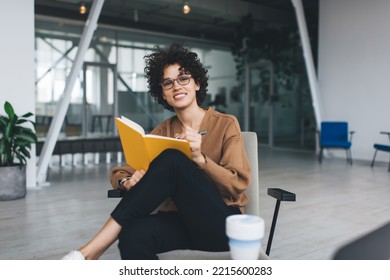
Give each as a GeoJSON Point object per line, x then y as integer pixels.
{"type": "Point", "coordinates": [157, 61]}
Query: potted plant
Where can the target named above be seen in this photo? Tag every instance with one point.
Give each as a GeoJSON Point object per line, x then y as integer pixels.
{"type": "Point", "coordinates": [15, 145]}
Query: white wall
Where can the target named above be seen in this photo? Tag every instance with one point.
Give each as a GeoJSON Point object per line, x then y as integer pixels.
{"type": "Point", "coordinates": [17, 63]}
{"type": "Point", "coordinates": [354, 68]}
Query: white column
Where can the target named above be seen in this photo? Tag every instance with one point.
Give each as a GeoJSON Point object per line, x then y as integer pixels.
{"type": "Point", "coordinates": [313, 83]}
{"type": "Point", "coordinates": [62, 106]}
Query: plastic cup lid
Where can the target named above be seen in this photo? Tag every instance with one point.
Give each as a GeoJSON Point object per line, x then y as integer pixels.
{"type": "Point", "coordinates": [244, 227]}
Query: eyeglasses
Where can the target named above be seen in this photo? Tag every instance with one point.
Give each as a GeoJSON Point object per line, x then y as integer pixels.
{"type": "Point", "coordinates": [181, 80]}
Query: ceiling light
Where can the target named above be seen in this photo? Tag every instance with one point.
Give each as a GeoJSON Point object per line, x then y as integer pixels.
{"type": "Point", "coordinates": [83, 9]}
{"type": "Point", "coordinates": [103, 39]}
{"type": "Point", "coordinates": [186, 8]}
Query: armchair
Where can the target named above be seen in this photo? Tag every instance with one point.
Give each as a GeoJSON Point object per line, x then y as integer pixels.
{"type": "Point", "coordinates": [253, 208]}
{"type": "Point", "coordinates": [383, 148]}
{"type": "Point", "coordinates": [334, 135]}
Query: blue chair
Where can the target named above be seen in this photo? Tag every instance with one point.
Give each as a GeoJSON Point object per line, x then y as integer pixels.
{"type": "Point", "coordinates": [383, 148]}
{"type": "Point", "coordinates": [334, 135]}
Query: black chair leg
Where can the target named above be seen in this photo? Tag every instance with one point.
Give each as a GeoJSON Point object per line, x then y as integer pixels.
{"type": "Point", "coordinates": [388, 169]}
{"type": "Point", "coordinates": [272, 230]}
{"type": "Point", "coordinates": [349, 156]}
{"type": "Point", "coordinates": [279, 195]}
{"type": "Point", "coordinates": [320, 156]}
{"type": "Point", "coordinates": [373, 160]}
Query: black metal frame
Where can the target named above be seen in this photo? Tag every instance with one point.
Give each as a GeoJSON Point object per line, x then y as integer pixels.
{"type": "Point", "coordinates": [280, 195]}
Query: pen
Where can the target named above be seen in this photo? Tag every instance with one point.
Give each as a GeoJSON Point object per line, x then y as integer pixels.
{"type": "Point", "coordinates": [202, 132]}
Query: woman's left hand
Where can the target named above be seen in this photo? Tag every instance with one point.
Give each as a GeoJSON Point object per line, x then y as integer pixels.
{"type": "Point", "coordinates": [134, 179]}
{"type": "Point", "coordinates": [195, 140]}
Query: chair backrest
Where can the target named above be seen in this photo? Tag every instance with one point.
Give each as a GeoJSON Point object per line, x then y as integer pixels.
{"type": "Point", "coordinates": [334, 131]}
{"type": "Point", "coordinates": [251, 148]}
{"type": "Point", "coordinates": [253, 208]}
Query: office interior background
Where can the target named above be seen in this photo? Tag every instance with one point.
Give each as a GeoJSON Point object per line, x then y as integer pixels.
{"type": "Point", "coordinates": [350, 55]}
{"type": "Point", "coordinates": [349, 40]}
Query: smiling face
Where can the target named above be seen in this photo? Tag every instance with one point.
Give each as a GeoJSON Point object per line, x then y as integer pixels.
{"type": "Point", "coordinates": [179, 96]}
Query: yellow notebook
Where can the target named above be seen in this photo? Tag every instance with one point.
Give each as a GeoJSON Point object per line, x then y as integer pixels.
{"type": "Point", "coordinates": [140, 148]}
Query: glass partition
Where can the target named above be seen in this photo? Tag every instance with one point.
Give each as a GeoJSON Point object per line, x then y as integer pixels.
{"type": "Point", "coordinates": [112, 83]}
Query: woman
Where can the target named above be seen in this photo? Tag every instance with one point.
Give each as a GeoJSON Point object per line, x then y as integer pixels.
{"type": "Point", "coordinates": [193, 197]}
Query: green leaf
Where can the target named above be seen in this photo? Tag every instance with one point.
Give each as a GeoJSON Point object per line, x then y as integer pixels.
{"type": "Point", "coordinates": [29, 114]}
{"type": "Point", "coordinates": [27, 136]}
{"type": "Point", "coordinates": [9, 109]}
{"type": "Point", "coordinates": [25, 152]}
{"type": "Point", "coordinates": [8, 130]}
{"type": "Point", "coordinates": [3, 121]}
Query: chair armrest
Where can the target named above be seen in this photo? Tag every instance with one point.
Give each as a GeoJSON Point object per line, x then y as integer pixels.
{"type": "Point", "coordinates": [115, 193]}
{"type": "Point", "coordinates": [387, 133]}
{"type": "Point", "coordinates": [276, 193]}
{"type": "Point", "coordinates": [281, 194]}
{"type": "Point", "coordinates": [351, 133]}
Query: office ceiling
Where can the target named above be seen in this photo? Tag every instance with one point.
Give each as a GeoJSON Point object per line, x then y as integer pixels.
{"type": "Point", "coordinates": [214, 20]}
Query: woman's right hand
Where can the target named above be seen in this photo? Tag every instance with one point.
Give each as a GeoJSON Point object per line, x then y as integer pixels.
{"type": "Point", "coordinates": [135, 178]}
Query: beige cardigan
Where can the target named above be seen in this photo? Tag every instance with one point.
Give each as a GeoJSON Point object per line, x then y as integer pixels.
{"type": "Point", "coordinates": [226, 161]}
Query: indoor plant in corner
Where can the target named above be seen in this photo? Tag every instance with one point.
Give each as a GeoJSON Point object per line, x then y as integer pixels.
{"type": "Point", "coordinates": [15, 145]}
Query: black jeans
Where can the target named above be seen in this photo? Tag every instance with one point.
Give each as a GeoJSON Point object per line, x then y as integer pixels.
{"type": "Point", "coordinates": [198, 224]}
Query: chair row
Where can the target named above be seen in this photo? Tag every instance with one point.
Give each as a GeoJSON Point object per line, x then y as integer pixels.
{"type": "Point", "coordinates": [336, 135]}
{"type": "Point", "coordinates": [82, 145]}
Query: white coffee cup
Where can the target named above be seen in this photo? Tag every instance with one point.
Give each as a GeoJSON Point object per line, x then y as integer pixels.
{"type": "Point", "coordinates": [245, 233]}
